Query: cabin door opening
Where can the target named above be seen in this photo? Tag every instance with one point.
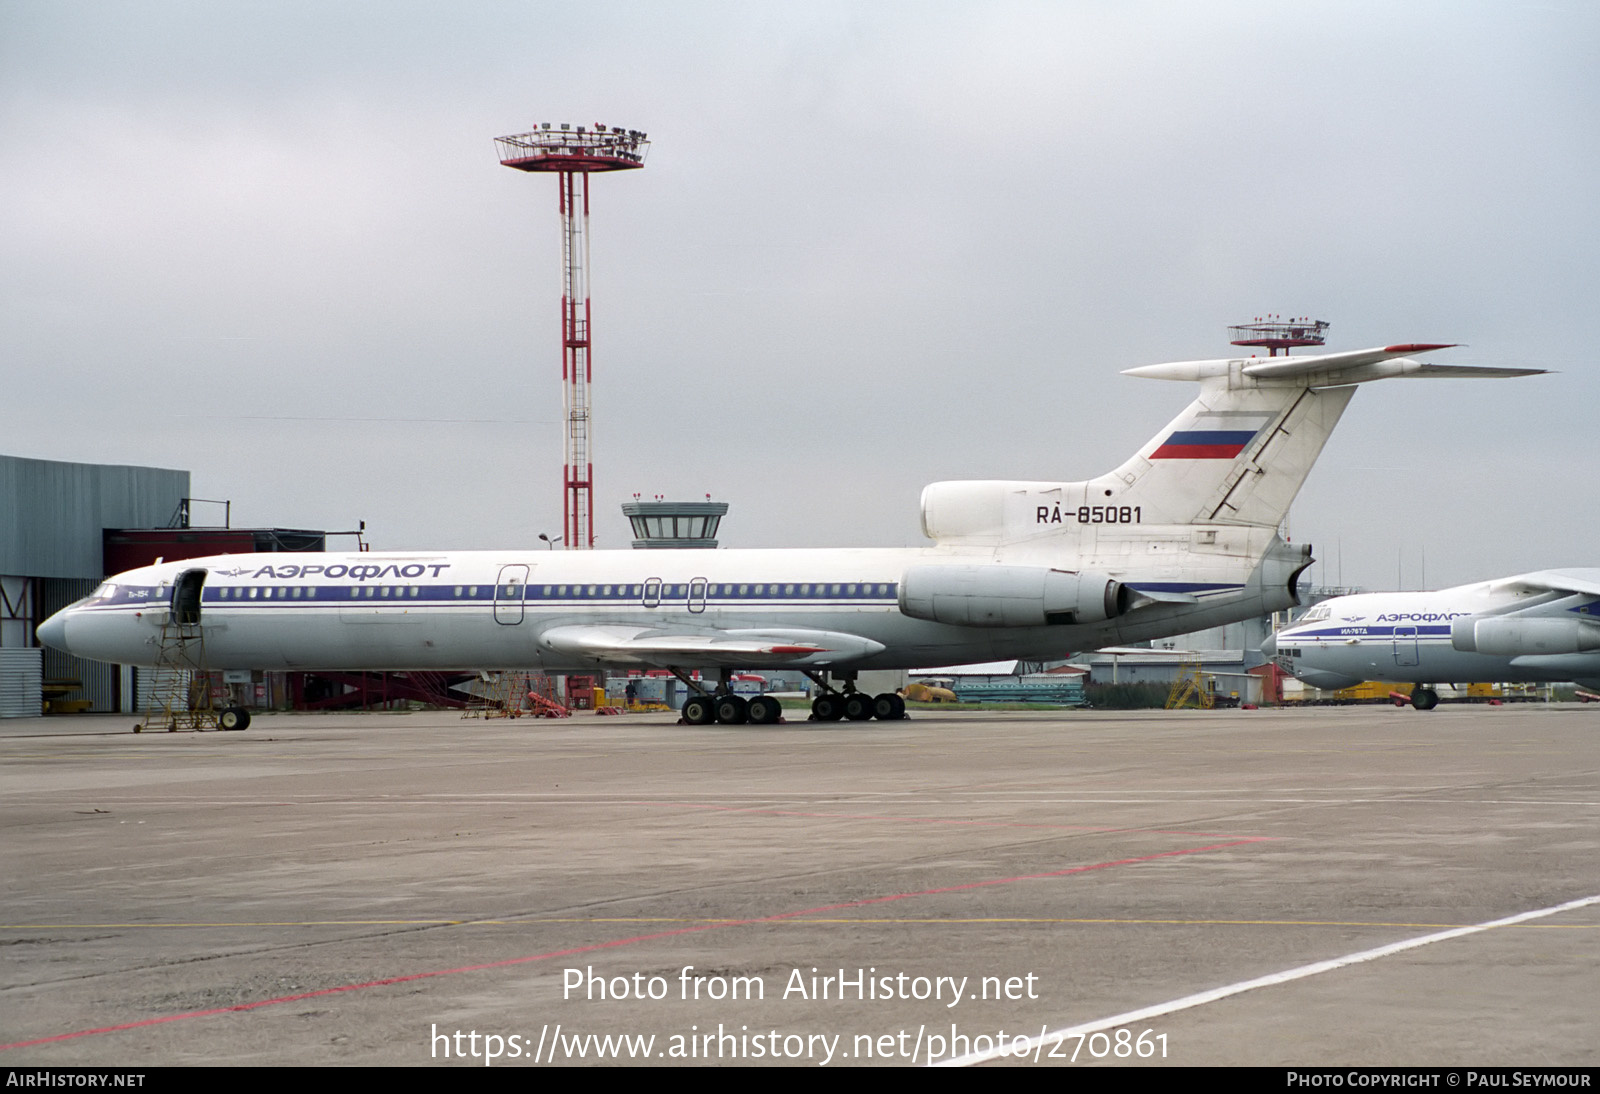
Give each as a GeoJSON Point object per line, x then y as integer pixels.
{"type": "Point", "coordinates": [186, 597]}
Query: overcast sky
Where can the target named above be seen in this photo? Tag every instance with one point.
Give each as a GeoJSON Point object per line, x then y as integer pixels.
{"type": "Point", "coordinates": [875, 245]}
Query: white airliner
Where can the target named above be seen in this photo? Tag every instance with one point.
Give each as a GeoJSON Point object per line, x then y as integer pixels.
{"type": "Point", "coordinates": [1531, 628]}
{"type": "Point", "coordinates": [1182, 536]}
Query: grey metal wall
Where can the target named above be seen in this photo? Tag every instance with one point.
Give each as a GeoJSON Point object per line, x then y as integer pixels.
{"type": "Point", "coordinates": [19, 684]}
{"type": "Point", "coordinates": [52, 514]}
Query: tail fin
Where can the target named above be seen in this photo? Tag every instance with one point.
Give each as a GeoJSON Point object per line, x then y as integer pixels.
{"type": "Point", "coordinates": [1236, 455]}
{"type": "Point", "coordinates": [1241, 451]}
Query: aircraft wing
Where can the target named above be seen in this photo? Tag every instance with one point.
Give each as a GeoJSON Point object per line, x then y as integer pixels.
{"type": "Point", "coordinates": [1583, 581]}
{"type": "Point", "coordinates": [631, 644]}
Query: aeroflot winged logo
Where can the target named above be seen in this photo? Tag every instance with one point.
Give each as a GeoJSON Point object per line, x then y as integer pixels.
{"type": "Point", "coordinates": [290, 571]}
{"type": "Point", "coordinates": [1212, 435]}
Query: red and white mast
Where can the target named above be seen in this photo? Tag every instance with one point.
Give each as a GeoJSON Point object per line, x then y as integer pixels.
{"type": "Point", "coordinates": [574, 152]}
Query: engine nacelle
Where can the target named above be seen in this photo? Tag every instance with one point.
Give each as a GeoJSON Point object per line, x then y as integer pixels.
{"type": "Point", "coordinates": [1010, 596]}
{"type": "Point", "coordinates": [1524, 636]}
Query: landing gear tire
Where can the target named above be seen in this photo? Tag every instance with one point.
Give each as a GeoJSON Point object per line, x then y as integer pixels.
{"type": "Point", "coordinates": [827, 708]}
{"type": "Point", "coordinates": [858, 707]}
{"type": "Point", "coordinates": [699, 710]}
{"type": "Point", "coordinates": [765, 711]}
{"type": "Point", "coordinates": [234, 718]}
{"type": "Point", "coordinates": [1424, 698]}
{"type": "Point", "coordinates": [888, 707]}
{"type": "Point", "coordinates": [732, 710]}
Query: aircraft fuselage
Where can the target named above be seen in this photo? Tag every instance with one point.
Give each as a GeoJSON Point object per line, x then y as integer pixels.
{"type": "Point", "coordinates": [490, 610]}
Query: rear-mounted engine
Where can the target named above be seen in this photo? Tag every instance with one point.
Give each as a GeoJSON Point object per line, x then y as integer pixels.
{"type": "Point", "coordinates": [1010, 596]}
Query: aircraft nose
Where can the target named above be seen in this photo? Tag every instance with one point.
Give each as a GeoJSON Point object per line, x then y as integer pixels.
{"type": "Point", "coordinates": [1270, 646]}
{"type": "Point", "coordinates": [53, 632]}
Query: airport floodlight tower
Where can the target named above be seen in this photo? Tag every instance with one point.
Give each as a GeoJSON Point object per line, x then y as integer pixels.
{"type": "Point", "coordinates": [574, 152]}
{"type": "Point", "coordinates": [1276, 333]}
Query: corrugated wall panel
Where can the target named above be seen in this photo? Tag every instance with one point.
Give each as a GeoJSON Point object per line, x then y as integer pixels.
{"type": "Point", "coordinates": [52, 514]}
{"type": "Point", "coordinates": [96, 681]}
{"type": "Point", "coordinates": [20, 678]}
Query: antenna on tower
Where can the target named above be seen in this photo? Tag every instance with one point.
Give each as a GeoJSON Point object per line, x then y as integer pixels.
{"type": "Point", "coordinates": [574, 152]}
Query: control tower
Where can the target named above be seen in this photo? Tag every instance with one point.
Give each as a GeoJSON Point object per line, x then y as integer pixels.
{"type": "Point", "coordinates": [661, 523]}
{"type": "Point", "coordinates": [573, 153]}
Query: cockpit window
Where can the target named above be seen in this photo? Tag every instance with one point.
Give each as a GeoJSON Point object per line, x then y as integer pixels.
{"type": "Point", "coordinates": [106, 591]}
{"type": "Point", "coordinates": [1317, 614]}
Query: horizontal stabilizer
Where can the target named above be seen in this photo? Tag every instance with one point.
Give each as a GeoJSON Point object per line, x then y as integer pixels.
{"type": "Point", "coordinates": [1475, 372]}
{"type": "Point", "coordinates": [1331, 369]}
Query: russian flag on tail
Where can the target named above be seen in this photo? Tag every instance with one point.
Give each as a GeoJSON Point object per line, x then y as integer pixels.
{"type": "Point", "coordinates": [1213, 435]}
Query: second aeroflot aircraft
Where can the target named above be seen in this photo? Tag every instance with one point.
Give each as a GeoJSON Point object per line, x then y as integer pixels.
{"type": "Point", "coordinates": [1182, 536]}
{"type": "Point", "coordinates": [1530, 628]}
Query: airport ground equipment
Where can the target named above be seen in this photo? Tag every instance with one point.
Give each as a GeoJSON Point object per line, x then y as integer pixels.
{"type": "Point", "coordinates": [510, 694]}
{"type": "Point", "coordinates": [1190, 687]}
{"type": "Point", "coordinates": [182, 693]}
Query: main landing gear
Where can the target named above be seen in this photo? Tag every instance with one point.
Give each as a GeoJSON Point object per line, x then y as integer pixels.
{"type": "Point", "coordinates": [1424, 698]}
{"type": "Point", "coordinates": [854, 705]}
{"type": "Point", "coordinates": [701, 709]}
{"type": "Point", "coordinates": [732, 710]}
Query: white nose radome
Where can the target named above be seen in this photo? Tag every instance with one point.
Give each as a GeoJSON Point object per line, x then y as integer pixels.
{"type": "Point", "coordinates": [53, 632]}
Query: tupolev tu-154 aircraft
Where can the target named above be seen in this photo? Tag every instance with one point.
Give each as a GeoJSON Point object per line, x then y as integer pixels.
{"type": "Point", "coordinates": [1531, 628]}
{"type": "Point", "coordinates": [1182, 536]}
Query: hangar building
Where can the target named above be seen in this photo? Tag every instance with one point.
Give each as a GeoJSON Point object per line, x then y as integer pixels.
{"type": "Point", "coordinates": [53, 521]}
